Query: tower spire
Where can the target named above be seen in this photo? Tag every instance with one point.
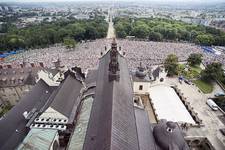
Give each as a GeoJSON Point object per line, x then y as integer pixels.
{"type": "Point", "coordinates": [114, 64]}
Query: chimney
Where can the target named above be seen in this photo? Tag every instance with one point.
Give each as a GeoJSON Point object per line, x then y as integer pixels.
{"type": "Point", "coordinates": [41, 64]}
{"type": "Point", "coordinates": [57, 63]}
{"type": "Point", "coordinates": [32, 65]}
{"type": "Point", "coordinates": [25, 114]}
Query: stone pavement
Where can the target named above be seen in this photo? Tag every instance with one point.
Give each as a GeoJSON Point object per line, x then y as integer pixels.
{"type": "Point", "coordinates": [211, 122]}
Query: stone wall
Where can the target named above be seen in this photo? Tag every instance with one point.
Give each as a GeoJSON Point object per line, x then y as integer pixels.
{"type": "Point", "coordinates": [12, 95]}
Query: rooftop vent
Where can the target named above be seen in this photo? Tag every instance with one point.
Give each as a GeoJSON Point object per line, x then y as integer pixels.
{"type": "Point", "coordinates": [170, 126]}
{"type": "Point", "coordinates": [25, 114]}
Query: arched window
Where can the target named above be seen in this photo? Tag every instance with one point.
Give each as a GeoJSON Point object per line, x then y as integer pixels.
{"type": "Point", "coordinates": [55, 145]}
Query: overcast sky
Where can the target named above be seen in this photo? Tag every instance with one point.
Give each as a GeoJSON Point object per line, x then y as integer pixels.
{"type": "Point", "coordinates": [193, 1]}
{"type": "Point", "coordinates": [113, 0]}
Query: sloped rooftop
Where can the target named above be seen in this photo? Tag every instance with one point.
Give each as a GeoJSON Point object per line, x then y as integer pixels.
{"type": "Point", "coordinates": [13, 124]}
{"type": "Point", "coordinates": [112, 122]}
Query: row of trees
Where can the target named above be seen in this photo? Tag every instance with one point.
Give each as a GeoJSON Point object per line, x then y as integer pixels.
{"type": "Point", "coordinates": [50, 33]}
{"type": "Point", "coordinates": [156, 29]}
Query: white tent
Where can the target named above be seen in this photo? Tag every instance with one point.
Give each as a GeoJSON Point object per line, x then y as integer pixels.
{"type": "Point", "coordinates": [168, 105]}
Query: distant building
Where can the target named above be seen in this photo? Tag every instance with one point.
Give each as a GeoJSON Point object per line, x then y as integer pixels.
{"type": "Point", "coordinates": [15, 82]}
{"type": "Point", "coordinates": [45, 107]}
{"type": "Point", "coordinates": [13, 124]}
{"type": "Point", "coordinates": [143, 78]}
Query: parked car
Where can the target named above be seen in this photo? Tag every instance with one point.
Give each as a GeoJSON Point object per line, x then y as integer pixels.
{"type": "Point", "coordinates": [212, 104]}
{"type": "Point", "coordinates": [219, 94]}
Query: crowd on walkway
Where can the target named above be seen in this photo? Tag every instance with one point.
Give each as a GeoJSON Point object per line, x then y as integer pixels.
{"type": "Point", "coordinates": [86, 54]}
{"type": "Point", "coordinates": [152, 53]}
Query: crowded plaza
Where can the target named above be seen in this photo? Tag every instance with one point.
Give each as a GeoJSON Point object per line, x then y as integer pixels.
{"type": "Point", "coordinates": [86, 54]}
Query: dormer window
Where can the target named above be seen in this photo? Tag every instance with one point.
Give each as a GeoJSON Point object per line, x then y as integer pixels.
{"type": "Point", "coordinates": [140, 87]}
{"type": "Point", "coordinates": [138, 102]}
{"type": "Point", "coordinates": [169, 130]}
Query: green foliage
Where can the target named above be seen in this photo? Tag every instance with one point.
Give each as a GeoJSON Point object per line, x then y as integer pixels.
{"type": "Point", "coordinates": [220, 101]}
{"type": "Point", "coordinates": [155, 36]}
{"type": "Point", "coordinates": [195, 59]}
{"type": "Point", "coordinates": [157, 29]}
{"type": "Point", "coordinates": [123, 28]}
{"type": "Point", "coordinates": [206, 40]}
{"type": "Point", "coordinates": [213, 71]}
{"type": "Point", "coordinates": [5, 109]}
{"type": "Point", "coordinates": [69, 42]}
{"type": "Point", "coordinates": [171, 65]}
{"type": "Point", "coordinates": [196, 68]}
{"type": "Point", "coordinates": [205, 87]}
{"type": "Point", "coordinates": [45, 34]}
{"type": "Point", "coordinates": [220, 40]}
{"type": "Point", "coordinates": [120, 31]}
{"type": "Point", "coordinates": [140, 31]}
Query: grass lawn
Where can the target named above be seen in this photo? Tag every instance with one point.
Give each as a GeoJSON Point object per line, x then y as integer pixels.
{"type": "Point", "coordinates": [196, 68]}
{"type": "Point", "coordinates": [205, 87]}
{"type": "Point", "coordinates": [192, 72]}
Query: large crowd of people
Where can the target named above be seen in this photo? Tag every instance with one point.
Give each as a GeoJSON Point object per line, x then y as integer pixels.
{"type": "Point", "coordinates": [86, 54]}
{"type": "Point", "coordinates": [152, 53]}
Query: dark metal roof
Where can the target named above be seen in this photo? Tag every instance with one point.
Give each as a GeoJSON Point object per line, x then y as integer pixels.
{"type": "Point", "coordinates": [145, 133]}
{"type": "Point", "coordinates": [66, 98]}
{"type": "Point", "coordinates": [169, 138]}
{"type": "Point", "coordinates": [112, 122]}
{"type": "Point", "coordinates": [91, 77]}
{"type": "Point", "coordinates": [137, 79]}
{"type": "Point", "coordinates": [90, 82]}
{"type": "Point", "coordinates": [12, 125]}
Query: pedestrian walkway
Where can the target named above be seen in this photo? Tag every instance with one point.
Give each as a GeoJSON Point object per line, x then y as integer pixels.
{"type": "Point", "coordinates": [111, 30]}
